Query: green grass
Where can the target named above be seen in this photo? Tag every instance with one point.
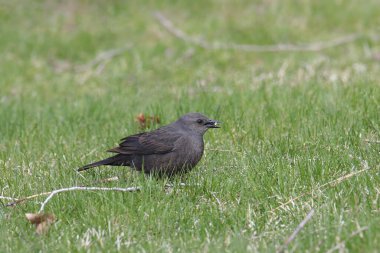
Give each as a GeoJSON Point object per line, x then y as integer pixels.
{"type": "Point", "coordinates": [291, 123]}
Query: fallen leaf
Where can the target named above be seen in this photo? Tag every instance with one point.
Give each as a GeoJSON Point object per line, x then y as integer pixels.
{"type": "Point", "coordinates": [146, 121]}
{"type": "Point", "coordinates": [41, 220]}
{"type": "Point", "coordinates": [376, 56]}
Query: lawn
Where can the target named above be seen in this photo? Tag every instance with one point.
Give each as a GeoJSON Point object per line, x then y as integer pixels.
{"type": "Point", "coordinates": [300, 139]}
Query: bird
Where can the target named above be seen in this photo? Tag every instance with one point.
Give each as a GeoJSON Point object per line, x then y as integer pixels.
{"type": "Point", "coordinates": [169, 150]}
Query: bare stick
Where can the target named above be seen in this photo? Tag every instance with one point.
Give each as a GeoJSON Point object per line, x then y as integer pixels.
{"type": "Point", "coordinates": [339, 245]}
{"type": "Point", "coordinates": [19, 201]}
{"type": "Point", "coordinates": [80, 188]}
{"type": "Point", "coordinates": [313, 47]}
{"type": "Point", "coordinates": [372, 141]}
{"type": "Point", "coordinates": [103, 57]}
{"type": "Point", "coordinates": [217, 200]}
{"type": "Point", "coordinates": [331, 183]}
{"type": "Point", "coordinates": [297, 230]}
{"type": "Point", "coordinates": [222, 150]}
{"type": "Point", "coordinates": [8, 198]}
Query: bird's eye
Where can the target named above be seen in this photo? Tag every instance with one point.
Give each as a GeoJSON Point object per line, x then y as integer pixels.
{"type": "Point", "coordinates": [199, 121]}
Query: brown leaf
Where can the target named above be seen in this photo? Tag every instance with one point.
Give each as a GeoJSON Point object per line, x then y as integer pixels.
{"type": "Point", "coordinates": [41, 220]}
{"type": "Point", "coordinates": [376, 56]}
{"type": "Point", "coordinates": [146, 121]}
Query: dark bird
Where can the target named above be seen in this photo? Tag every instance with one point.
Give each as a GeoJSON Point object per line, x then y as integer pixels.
{"type": "Point", "coordinates": [166, 151]}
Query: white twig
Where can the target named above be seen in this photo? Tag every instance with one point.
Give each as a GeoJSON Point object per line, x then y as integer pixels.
{"type": "Point", "coordinates": [8, 198]}
{"type": "Point", "coordinates": [222, 150]}
{"type": "Point", "coordinates": [20, 200]}
{"type": "Point", "coordinates": [372, 141]}
{"type": "Point", "coordinates": [322, 187]}
{"type": "Point", "coordinates": [340, 244]}
{"type": "Point", "coordinates": [312, 47]}
{"type": "Point", "coordinates": [297, 230]}
{"type": "Point", "coordinates": [103, 57]}
{"type": "Point", "coordinates": [80, 188]}
{"type": "Point", "coordinates": [217, 200]}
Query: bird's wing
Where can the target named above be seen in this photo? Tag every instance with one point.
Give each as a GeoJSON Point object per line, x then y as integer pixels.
{"type": "Point", "coordinates": [159, 141]}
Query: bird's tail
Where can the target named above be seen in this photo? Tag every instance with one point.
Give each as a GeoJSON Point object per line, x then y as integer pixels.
{"type": "Point", "coordinates": [117, 160]}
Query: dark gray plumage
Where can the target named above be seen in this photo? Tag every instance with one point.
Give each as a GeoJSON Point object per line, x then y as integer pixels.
{"type": "Point", "coordinates": [168, 150]}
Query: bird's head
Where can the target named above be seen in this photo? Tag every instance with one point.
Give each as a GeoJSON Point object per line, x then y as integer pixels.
{"type": "Point", "coordinates": [197, 122]}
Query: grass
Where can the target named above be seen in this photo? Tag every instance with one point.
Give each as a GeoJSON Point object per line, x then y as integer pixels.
{"type": "Point", "coordinates": [292, 123]}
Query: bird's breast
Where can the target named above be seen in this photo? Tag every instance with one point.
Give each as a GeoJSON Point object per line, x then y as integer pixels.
{"type": "Point", "coordinates": [192, 148]}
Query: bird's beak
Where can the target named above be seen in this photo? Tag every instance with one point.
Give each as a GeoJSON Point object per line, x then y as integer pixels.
{"type": "Point", "coordinates": [212, 124]}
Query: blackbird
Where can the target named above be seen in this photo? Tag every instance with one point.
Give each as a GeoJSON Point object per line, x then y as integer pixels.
{"type": "Point", "coordinates": [166, 151]}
